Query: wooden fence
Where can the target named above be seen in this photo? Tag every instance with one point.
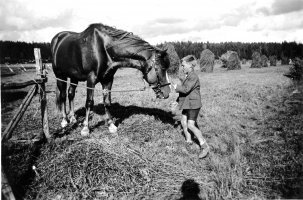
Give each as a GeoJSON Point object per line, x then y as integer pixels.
{"type": "Point", "coordinates": [38, 87]}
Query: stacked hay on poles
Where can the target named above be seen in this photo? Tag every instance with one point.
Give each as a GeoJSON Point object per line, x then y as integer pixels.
{"type": "Point", "coordinates": [244, 61]}
{"type": "Point", "coordinates": [207, 60]}
{"type": "Point", "coordinates": [284, 60]}
{"type": "Point", "coordinates": [173, 59]}
{"type": "Point", "coordinates": [256, 60]}
{"type": "Point", "coordinates": [231, 60]}
{"type": "Point", "coordinates": [273, 60]}
{"type": "Point", "coordinates": [223, 59]}
{"type": "Point", "coordinates": [296, 73]}
{"type": "Point", "coordinates": [264, 61]}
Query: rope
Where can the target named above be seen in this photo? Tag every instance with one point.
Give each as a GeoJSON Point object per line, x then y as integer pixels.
{"type": "Point", "coordinates": [102, 90]}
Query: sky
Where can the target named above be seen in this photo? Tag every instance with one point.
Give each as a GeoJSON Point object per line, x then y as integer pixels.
{"type": "Point", "coordinates": [157, 21]}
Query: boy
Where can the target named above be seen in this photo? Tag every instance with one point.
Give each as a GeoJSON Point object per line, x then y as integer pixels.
{"type": "Point", "coordinates": [190, 103]}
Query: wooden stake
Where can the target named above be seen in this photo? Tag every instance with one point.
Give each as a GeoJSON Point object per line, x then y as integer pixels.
{"type": "Point", "coordinates": [38, 61]}
{"type": "Point", "coordinates": [41, 71]}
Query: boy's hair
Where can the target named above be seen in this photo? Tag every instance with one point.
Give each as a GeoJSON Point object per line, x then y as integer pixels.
{"type": "Point", "coordinates": [190, 59]}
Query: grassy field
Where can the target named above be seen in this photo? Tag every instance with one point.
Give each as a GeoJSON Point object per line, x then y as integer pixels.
{"type": "Point", "coordinates": [250, 118]}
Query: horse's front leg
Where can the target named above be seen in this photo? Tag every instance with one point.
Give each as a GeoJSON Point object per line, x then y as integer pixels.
{"type": "Point", "coordinates": [89, 103]}
{"type": "Point", "coordinates": [107, 103]}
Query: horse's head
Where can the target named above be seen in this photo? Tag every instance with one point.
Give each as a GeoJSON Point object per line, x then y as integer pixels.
{"type": "Point", "coordinates": [156, 73]}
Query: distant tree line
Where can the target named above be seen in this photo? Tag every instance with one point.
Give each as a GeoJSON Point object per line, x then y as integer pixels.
{"type": "Point", "coordinates": [21, 52]}
{"type": "Point", "coordinates": [14, 52]}
{"type": "Point", "coordinates": [244, 50]}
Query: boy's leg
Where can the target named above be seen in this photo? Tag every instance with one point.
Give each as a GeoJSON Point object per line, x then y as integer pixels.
{"type": "Point", "coordinates": [184, 126]}
{"type": "Point", "coordinates": [203, 144]}
{"type": "Point", "coordinates": [196, 131]}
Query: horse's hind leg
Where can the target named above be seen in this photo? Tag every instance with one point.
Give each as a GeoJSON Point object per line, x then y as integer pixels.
{"type": "Point", "coordinates": [107, 103]}
{"type": "Point", "coordinates": [71, 97]}
{"type": "Point", "coordinates": [91, 81]}
{"type": "Point", "coordinates": [61, 100]}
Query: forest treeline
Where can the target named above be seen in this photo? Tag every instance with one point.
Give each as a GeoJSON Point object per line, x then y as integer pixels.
{"type": "Point", "coordinates": [21, 52]}
{"type": "Point", "coordinates": [244, 50]}
{"type": "Point", "coordinates": [17, 52]}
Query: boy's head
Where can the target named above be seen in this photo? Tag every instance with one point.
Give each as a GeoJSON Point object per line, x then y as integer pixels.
{"type": "Point", "coordinates": [188, 63]}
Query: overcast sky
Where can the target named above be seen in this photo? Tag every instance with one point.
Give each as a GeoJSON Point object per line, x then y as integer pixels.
{"type": "Point", "coordinates": [157, 21]}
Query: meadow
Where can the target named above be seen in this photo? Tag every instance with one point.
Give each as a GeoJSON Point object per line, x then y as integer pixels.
{"type": "Point", "coordinates": [250, 118]}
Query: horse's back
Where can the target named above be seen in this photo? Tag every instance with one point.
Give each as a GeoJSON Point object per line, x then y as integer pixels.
{"type": "Point", "coordinates": [77, 55]}
{"type": "Point", "coordinates": [66, 54]}
{"type": "Point", "coordinates": [58, 38]}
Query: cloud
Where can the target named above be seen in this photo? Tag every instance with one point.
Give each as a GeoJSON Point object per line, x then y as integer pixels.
{"type": "Point", "coordinates": [168, 20]}
{"type": "Point", "coordinates": [14, 16]}
{"type": "Point", "coordinates": [236, 16]}
{"type": "Point", "coordinates": [282, 7]}
{"type": "Point", "coordinates": [177, 26]}
{"type": "Point", "coordinates": [289, 22]}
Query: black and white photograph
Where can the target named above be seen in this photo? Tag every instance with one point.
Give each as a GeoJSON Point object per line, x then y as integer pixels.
{"type": "Point", "coordinates": [151, 99]}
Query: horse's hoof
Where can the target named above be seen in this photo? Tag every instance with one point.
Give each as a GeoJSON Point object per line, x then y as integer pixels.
{"type": "Point", "coordinates": [72, 119]}
{"type": "Point", "coordinates": [112, 129]}
{"type": "Point", "coordinates": [85, 131]}
{"type": "Point", "coordinates": [64, 123]}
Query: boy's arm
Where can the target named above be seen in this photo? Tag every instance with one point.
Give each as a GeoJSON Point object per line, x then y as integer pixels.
{"type": "Point", "coordinates": [187, 86]}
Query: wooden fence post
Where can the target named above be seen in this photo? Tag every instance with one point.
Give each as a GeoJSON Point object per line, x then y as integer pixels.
{"type": "Point", "coordinates": [40, 71]}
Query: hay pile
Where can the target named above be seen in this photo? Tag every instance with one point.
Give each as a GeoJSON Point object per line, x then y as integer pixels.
{"type": "Point", "coordinates": [86, 170]}
{"type": "Point", "coordinates": [207, 61]}
{"type": "Point", "coordinates": [284, 60]}
{"type": "Point", "coordinates": [296, 70]}
{"type": "Point", "coordinates": [273, 60]}
{"type": "Point", "coordinates": [231, 60]}
{"type": "Point", "coordinates": [17, 161]}
{"type": "Point", "coordinates": [173, 59]}
{"type": "Point", "coordinates": [264, 61]}
{"type": "Point", "coordinates": [256, 60]}
{"type": "Point", "coordinates": [94, 169]}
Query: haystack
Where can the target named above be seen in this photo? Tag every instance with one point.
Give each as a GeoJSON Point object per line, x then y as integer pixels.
{"type": "Point", "coordinates": [256, 60]}
{"type": "Point", "coordinates": [273, 60]}
{"type": "Point", "coordinates": [296, 74]}
{"type": "Point", "coordinates": [207, 61]}
{"type": "Point", "coordinates": [173, 59]}
{"type": "Point", "coordinates": [284, 60]}
{"type": "Point", "coordinates": [264, 61]}
{"type": "Point", "coordinates": [231, 60]}
{"type": "Point", "coordinates": [296, 70]}
{"type": "Point", "coordinates": [244, 61]}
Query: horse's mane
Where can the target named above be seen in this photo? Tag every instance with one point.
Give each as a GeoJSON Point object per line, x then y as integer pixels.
{"type": "Point", "coordinates": [120, 37]}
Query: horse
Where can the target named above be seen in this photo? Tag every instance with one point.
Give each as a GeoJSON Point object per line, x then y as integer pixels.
{"type": "Point", "coordinates": [94, 56]}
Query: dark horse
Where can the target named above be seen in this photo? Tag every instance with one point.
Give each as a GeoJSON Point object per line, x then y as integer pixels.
{"type": "Point", "coordinates": [94, 55]}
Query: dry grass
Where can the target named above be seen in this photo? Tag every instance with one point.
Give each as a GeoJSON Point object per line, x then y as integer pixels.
{"type": "Point", "coordinates": [248, 118]}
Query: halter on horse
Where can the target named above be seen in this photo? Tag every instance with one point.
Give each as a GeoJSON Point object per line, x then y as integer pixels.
{"type": "Point", "coordinates": [94, 55]}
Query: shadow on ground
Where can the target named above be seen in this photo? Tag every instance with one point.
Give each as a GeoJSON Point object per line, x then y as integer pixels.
{"type": "Point", "coordinates": [119, 113]}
